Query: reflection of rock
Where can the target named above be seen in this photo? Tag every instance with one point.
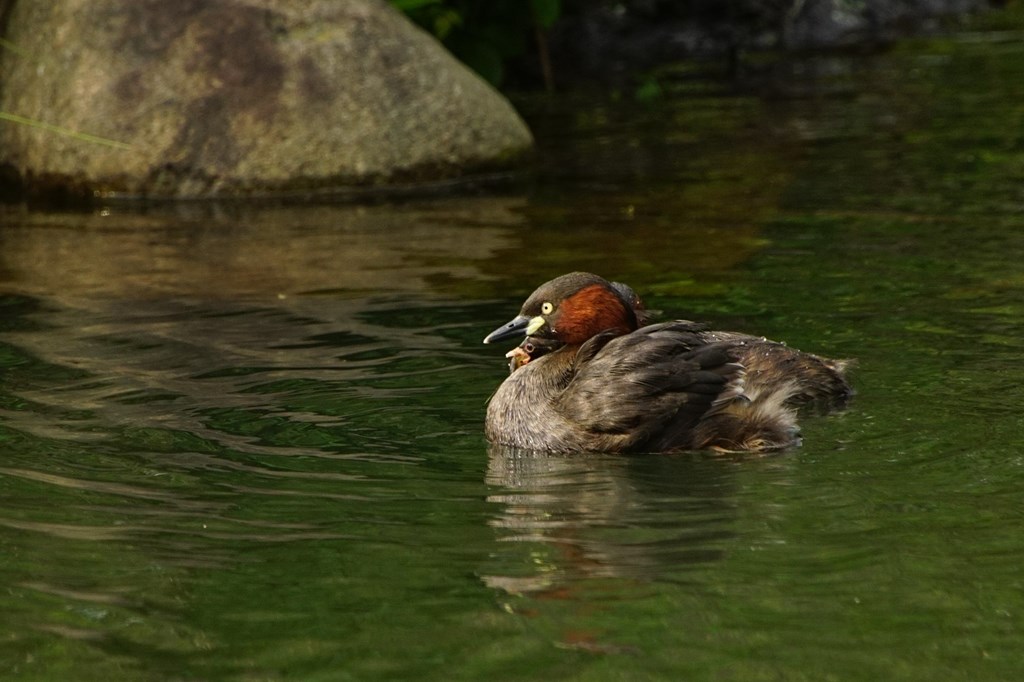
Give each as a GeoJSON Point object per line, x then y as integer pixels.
{"type": "Point", "coordinates": [225, 96]}
{"type": "Point", "coordinates": [600, 516]}
{"type": "Point", "coordinates": [167, 315]}
{"type": "Point", "coordinates": [252, 254]}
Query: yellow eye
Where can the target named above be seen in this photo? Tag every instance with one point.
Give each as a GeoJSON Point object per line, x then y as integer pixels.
{"type": "Point", "coordinates": [547, 308]}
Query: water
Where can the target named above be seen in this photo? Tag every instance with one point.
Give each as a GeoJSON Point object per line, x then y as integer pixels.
{"type": "Point", "coordinates": [246, 443]}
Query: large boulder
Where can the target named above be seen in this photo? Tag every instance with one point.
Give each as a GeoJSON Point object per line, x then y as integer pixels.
{"type": "Point", "coordinates": [228, 97]}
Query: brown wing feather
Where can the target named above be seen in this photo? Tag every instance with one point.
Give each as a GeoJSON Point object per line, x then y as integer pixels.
{"type": "Point", "coordinates": [647, 390]}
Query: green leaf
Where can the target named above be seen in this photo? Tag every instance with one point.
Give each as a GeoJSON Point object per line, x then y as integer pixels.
{"type": "Point", "coordinates": [482, 58]}
{"type": "Point", "coordinates": [546, 12]}
{"type": "Point", "coordinates": [445, 22]}
{"type": "Point", "coordinates": [410, 5]}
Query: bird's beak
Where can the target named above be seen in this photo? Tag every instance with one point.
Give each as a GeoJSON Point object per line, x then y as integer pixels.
{"type": "Point", "coordinates": [507, 331]}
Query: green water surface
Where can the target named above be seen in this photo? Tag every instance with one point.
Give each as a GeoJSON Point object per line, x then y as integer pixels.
{"type": "Point", "coordinates": [245, 443]}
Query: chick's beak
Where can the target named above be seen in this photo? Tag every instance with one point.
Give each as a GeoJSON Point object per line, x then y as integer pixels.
{"type": "Point", "coordinates": [507, 331]}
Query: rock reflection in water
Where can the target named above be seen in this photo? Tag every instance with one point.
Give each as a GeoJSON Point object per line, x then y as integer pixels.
{"type": "Point", "coordinates": [574, 517]}
{"type": "Point", "coordinates": [209, 252]}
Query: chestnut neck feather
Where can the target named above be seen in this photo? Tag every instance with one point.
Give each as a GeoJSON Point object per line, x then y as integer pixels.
{"type": "Point", "coordinates": [592, 310]}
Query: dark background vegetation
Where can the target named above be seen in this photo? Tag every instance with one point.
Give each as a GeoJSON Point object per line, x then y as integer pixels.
{"type": "Point", "coordinates": [560, 43]}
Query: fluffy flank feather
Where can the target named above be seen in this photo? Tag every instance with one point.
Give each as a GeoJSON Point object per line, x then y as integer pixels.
{"type": "Point", "coordinates": [752, 421]}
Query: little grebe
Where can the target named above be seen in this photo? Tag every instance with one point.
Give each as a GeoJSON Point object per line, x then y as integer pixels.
{"type": "Point", "coordinates": [593, 375]}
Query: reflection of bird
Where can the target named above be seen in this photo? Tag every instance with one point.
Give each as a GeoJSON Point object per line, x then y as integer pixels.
{"type": "Point", "coordinates": [590, 376]}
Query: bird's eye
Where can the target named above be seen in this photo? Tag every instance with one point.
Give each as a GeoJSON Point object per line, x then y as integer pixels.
{"type": "Point", "coordinates": [547, 308]}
